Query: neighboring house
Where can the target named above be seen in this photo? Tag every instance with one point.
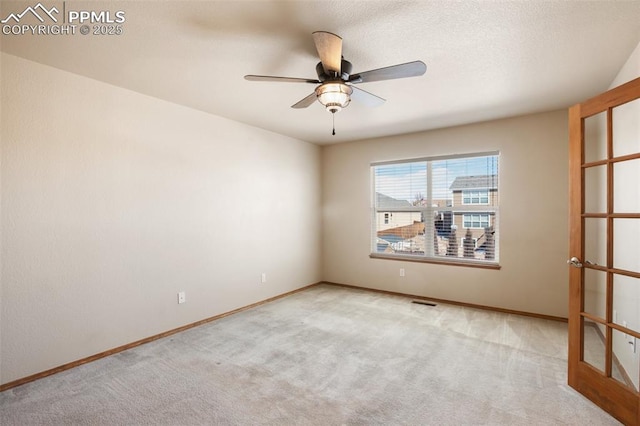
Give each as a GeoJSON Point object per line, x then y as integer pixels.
{"type": "Point", "coordinates": [392, 219]}
{"type": "Point", "coordinates": [394, 227]}
{"type": "Point", "coordinates": [478, 191]}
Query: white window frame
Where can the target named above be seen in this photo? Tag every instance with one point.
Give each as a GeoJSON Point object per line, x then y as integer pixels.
{"type": "Point", "coordinates": [429, 210]}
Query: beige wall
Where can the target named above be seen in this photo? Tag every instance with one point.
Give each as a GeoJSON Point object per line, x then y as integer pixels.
{"type": "Point", "coordinates": [533, 216]}
{"type": "Point", "coordinates": [630, 70]}
{"type": "Point", "coordinates": [112, 202]}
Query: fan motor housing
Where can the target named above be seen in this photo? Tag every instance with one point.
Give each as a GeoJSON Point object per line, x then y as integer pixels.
{"type": "Point", "coordinates": [345, 69]}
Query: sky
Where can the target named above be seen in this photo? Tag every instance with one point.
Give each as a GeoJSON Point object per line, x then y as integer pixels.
{"type": "Point", "coordinates": [405, 180]}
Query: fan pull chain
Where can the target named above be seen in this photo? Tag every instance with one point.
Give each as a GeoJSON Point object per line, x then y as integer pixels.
{"type": "Point", "coordinates": [333, 119]}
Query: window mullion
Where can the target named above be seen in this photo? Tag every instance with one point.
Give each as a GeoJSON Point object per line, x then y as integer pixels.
{"type": "Point", "coordinates": [429, 229]}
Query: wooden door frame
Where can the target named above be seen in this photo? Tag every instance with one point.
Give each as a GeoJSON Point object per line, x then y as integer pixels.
{"type": "Point", "coordinates": [607, 393]}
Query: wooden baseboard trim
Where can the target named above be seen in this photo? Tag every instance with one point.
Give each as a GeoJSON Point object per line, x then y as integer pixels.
{"type": "Point", "coordinates": [453, 302]}
{"type": "Point", "coordinates": [131, 345]}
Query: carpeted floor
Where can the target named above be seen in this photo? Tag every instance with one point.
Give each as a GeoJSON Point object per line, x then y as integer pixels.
{"type": "Point", "coordinates": [325, 356]}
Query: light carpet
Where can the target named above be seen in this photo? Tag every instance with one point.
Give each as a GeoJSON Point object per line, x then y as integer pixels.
{"type": "Point", "coordinates": [327, 355]}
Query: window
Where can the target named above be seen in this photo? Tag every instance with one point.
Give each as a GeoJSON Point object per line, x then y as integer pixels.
{"type": "Point", "coordinates": [475, 220]}
{"type": "Point", "coordinates": [475, 197]}
{"type": "Point", "coordinates": [439, 209]}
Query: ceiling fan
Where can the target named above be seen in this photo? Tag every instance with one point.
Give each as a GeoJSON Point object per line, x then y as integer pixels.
{"type": "Point", "coordinates": [335, 81]}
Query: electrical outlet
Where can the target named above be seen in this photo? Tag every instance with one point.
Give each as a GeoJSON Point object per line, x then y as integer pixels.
{"type": "Point", "coordinates": [182, 297]}
{"type": "Point", "coordinates": [264, 277]}
{"type": "Point", "coordinates": [402, 272]}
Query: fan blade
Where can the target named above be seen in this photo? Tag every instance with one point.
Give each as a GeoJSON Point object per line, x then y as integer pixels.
{"type": "Point", "coordinates": [410, 69]}
{"type": "Point", "coordinates": [281, 79]}
{"type": "Point", "coordinates": [329, 47]}
{"type": "Point", "coordinates": [366, 98]}
{"type": "Point", "coordinates": [305, 102]}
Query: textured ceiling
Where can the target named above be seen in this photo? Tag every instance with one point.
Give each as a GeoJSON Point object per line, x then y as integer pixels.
{"type": "Point", "coordinates": [485, 59]}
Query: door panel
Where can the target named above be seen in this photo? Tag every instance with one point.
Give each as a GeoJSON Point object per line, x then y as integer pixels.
{"type": "Point", "coordinates": [595, 293]}
{"type": "Point", "coordinates": [604, 299]}
{"type": "Point", "coordinates": [625, 244]}
{"type": "Point", "coordinates": [595, 236]}
{"type": "Point", "coordinates": [595, 137]}
{"type": "Point", "coordinates": [622, 357]}
{"type": "Point", "coordinates": [594, 347]}
{"type": "Point", "coordinates": [626, 138]}
{"type": "Point", "coordinates": [626, 198]}
{"type": "Point", "coordinates": [595, 201]}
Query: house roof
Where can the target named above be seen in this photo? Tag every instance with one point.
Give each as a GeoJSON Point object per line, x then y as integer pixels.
{"type": "Point", "coordinates": [384, 202]}
{"type": "Point", "coordinates": [475, 182]}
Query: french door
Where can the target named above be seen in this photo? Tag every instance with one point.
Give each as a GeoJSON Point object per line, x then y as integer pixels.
{"type": "Point", "coordinates": [604, 302]}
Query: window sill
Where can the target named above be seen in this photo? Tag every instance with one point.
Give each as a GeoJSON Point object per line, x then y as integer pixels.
{"type": "Point", "coordinates": [451, 262]}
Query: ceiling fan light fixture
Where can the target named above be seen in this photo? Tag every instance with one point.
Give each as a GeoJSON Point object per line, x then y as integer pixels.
{"type": "Point", "coordinates": [334, 96]}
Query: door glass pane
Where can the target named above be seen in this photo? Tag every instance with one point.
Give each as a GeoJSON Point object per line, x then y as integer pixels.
{"type": "Point", "coordinates": [625, 367]}
{"type": "Point", "coordinates": [595, 137]}
{"type": "Point", "coordinates": [626, 301]}
{"type": "Point", "coordinates": [595, 241]}
{"type": "Point", "coordinates": [595, 292]}
{"type": "Point", "coordinates": [626, 128]}
{"type": "Point", "coordinates": [594, 352]}
{"type": "Point", "coordinates": [626, 194]}
{"type": "Point", "coordinates": [595, 189]}
{"type": "Point", "coordinates": [626, 244]}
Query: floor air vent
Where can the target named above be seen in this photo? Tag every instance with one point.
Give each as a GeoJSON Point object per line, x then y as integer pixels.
{"type": "Point", "coordinates": [423, 302]}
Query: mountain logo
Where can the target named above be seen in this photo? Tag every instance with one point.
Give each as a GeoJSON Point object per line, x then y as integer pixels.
{"type": "Point", "coordinates": [38, 11]}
